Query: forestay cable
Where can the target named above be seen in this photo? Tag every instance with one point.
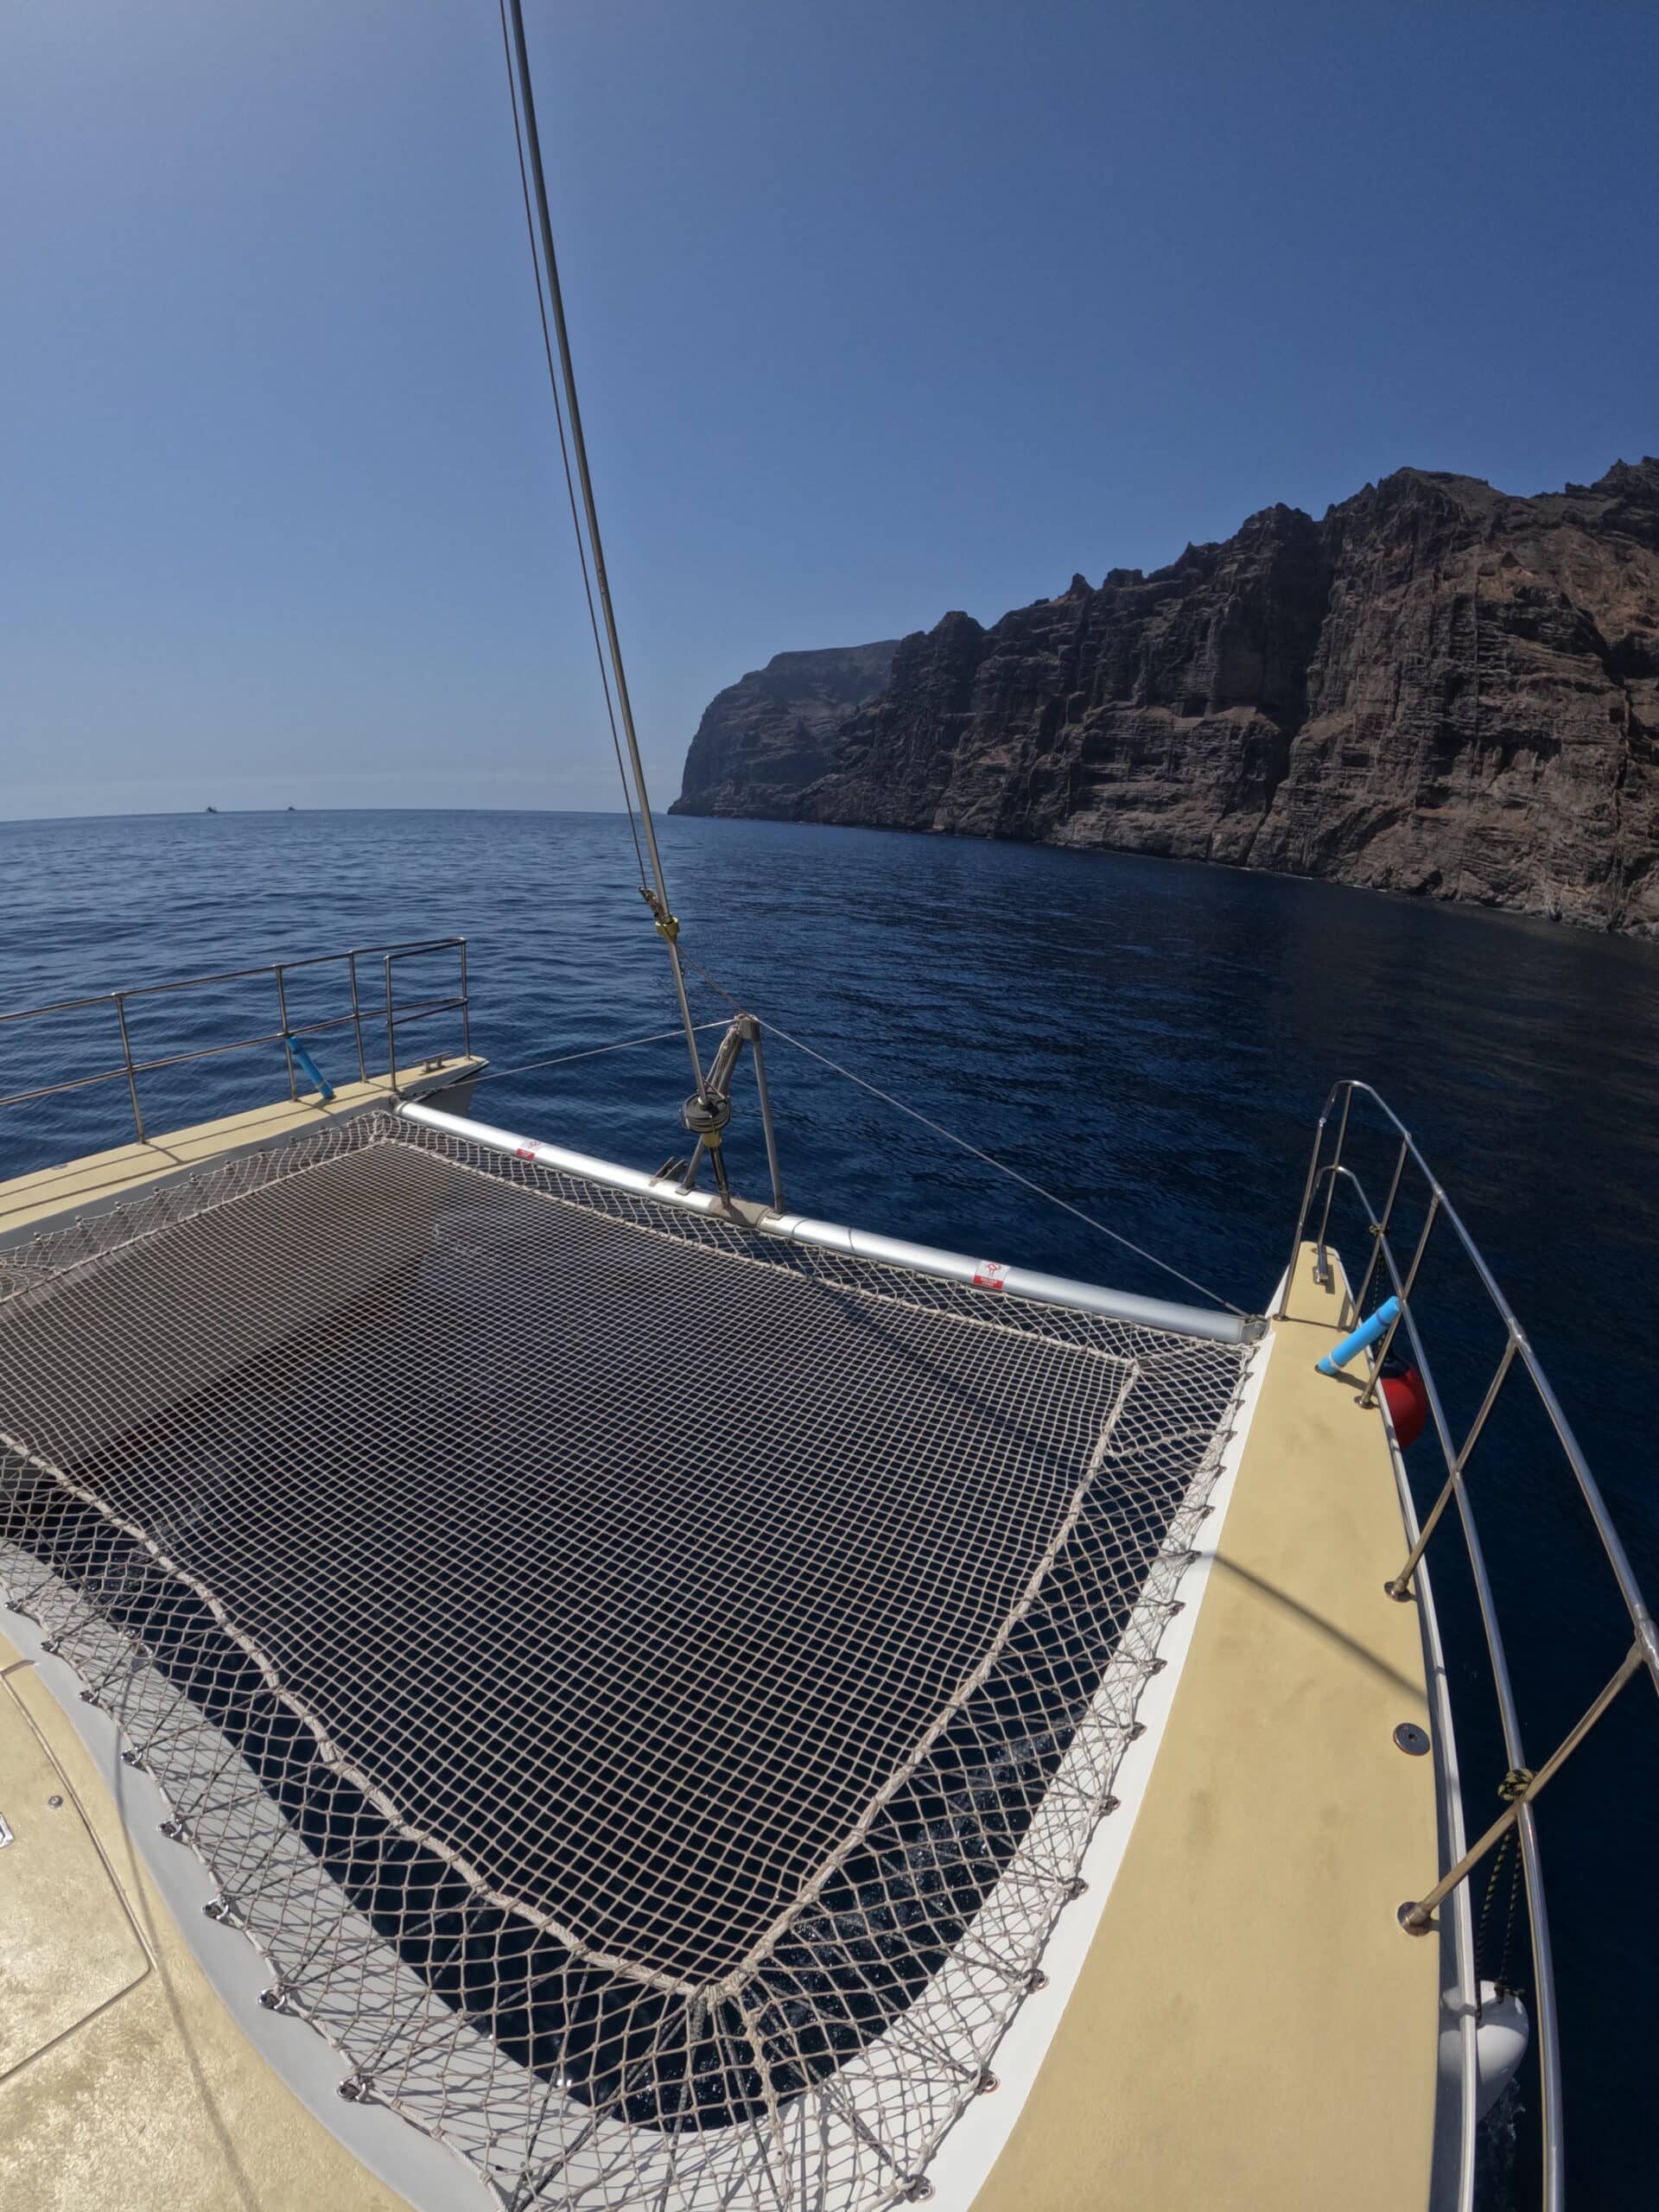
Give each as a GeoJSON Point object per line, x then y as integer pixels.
{"type": "Point", "coordinates": [564, 457]}
{"type": "Point", "coordinates": [1002, 1166]}
{"type": "Point", "coordinates": [590, 1053]}
{"type": "Point", "coordinates": [529, 148]}
{"type": "Point", "coordinates": [964, 1145]}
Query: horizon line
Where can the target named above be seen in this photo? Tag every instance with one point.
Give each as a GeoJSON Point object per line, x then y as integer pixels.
{"type": "Point", "coordinates": [199, 813]}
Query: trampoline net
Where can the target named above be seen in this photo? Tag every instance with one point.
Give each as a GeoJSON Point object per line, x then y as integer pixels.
{"type": "Point", "coordinates": [647, 1689]}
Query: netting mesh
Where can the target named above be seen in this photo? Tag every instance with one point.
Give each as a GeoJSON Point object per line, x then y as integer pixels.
{"type": "Point", "coordinates": [647, 1690]}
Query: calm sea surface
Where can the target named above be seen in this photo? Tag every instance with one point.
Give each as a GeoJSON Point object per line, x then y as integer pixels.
{"type": "Point", "coordinates": [1152, 1040]}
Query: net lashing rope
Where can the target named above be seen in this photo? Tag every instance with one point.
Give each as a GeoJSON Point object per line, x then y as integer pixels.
{"type": "Point", "coordinates": [647, 1690]}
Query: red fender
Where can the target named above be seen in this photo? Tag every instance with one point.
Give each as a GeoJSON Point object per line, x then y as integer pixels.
{"type": "Point", "coordinates": [1408, 1404]}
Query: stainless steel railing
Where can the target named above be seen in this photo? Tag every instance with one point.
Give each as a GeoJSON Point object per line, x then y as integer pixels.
{"type": "Point", "coordinates": [362, 1009]}
{"type": "Point", "coordinates": [1518, 1365]}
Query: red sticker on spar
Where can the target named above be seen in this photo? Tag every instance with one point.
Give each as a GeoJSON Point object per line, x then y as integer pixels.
{"type": "Point", "coordinates": [987, 1275]}
{"type": "Point", "coordinates": [523, 1152]}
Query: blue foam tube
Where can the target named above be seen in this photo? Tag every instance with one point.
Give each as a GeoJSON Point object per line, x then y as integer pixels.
{"type": "Point", "coordinates": [1366, 1333]}
{"type": "Point", "coordinates": [311, 1071]}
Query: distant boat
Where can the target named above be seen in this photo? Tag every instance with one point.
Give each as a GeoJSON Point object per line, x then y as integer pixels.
{"type": "Point", "coordinates": [292, 809]}
{"type": "Point", "coordinates": [212, 809]}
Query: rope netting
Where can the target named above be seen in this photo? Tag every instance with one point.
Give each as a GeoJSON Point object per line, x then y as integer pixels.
{"type": "Point", "coordinates": [647, 1689]}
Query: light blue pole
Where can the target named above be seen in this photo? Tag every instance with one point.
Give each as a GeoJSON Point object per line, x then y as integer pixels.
{"type": "Point", "coordinates": [1366, 1333]}
{"type": "Point", "coordinates": [314, 1074]}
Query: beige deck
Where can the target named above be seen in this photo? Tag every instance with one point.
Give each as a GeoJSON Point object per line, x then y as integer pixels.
{"type": "Point", "coordinates": [124, 2080]}
{"type": "Point", "coordinates": [103, 1175]}
{"type": "Point", "coordinates": [1251, 2027]}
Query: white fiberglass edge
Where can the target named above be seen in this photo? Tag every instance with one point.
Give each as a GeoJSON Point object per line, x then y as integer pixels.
{"type": "Point", "coordinates": [1452, 2187]}
{"type": "Point", "coordinates": [963, 2162]}
{"type": "Point", "coordinates": [1451, 2179]}
{"type": "Point", "coordinates": [856, 1243]}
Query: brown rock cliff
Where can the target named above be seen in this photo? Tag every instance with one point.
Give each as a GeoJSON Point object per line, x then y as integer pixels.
{"type": "Point", "coordinates": [765, 738]}
{"type": "Point", "coordinates": [1438, 689]}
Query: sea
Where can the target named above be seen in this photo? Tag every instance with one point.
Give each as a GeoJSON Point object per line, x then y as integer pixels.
{"type": "Point", "coordinates": [1150, 1041]}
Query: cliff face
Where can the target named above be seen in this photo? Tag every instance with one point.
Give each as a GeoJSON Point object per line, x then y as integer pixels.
{"type": "Point", "coordinates": [1437, 689]}
{"type": "Point", "coordinates": [765, 738]}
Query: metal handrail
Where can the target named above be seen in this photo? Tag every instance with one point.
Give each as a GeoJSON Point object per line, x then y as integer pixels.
{"type": "Point", "coordinates": [129, 1069]}
{"type": "Point", "coordinates": [1520, 1785]}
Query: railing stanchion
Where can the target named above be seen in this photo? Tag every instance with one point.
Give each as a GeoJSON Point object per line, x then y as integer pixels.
{"type": "Point", "coordinates": [356, 1016]}
{"type": "Point", "coordinates": [1400, 1585]}
{"type": "Point", "coordinates": [126, 1055]}
{"type": "Point", "coordinates": [1546, 2028]}
{"type": "Point", "coordinates": [752, 1033]}
{"type": "Point", "coordinates": [1521, 1786]}
{"type": "Point", "coordinates": [1368, 1395]}
{"type": "Point", "coordinates": [391, 1036]}
{"type": "Point", "coordinates": [128, 1069]}
{"type": "Point", "coordinates": [288, 1049]}
{"type": "Point", "coordinates": [1415, 1918]}
{"type": "Point", "coordinates": [1321, 1258]}
{"type": "Point", "coordinates": [1380, 1227]}
{"type": "Point", "coordinates": [1302, 1217]}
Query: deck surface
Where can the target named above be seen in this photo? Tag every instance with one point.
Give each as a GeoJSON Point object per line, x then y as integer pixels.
{"type": "Point", "coordinates": [1251, 2027]}
{"type": "Point", "coordinates": [125, 2082]}
{"type": "Point", "coordinates": [99, 1177]}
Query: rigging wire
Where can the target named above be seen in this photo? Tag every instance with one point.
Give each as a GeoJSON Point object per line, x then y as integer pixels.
{"type": "Point", "coordinates": [533, 186]}
{"type": "Point", "coordinates": [593, 1052]}
{"type": "Point", "coordinates": [964, 1145]}
{"type": "Point", "coordinates": [551, 296]}
{"type": "Point", "coordinates": [564, 454]}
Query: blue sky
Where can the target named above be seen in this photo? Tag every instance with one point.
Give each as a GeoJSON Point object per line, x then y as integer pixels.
{"type": "Point", "coordinates": [879, 310]}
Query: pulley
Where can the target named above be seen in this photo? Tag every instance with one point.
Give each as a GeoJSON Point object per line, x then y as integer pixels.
{"type": "Point", "coordinates": [706, 1114]}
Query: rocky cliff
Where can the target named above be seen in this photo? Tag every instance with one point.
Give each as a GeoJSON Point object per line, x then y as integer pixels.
{"type": "Point", "coordinates": [765, 738]}
{"type": "Point", "coordinates": [1437, 689]}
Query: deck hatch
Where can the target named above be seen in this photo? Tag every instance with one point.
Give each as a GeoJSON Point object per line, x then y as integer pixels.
{"type": "Point", "coordinates": [667, 1656]}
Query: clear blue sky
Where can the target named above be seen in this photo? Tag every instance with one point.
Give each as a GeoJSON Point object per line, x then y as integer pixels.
{"type": "Point", "coordinates": [879, 309]}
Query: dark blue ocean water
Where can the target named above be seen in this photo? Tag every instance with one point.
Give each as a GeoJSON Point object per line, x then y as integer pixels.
{"type": "Point", "coordinates": [1152, 1040]}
